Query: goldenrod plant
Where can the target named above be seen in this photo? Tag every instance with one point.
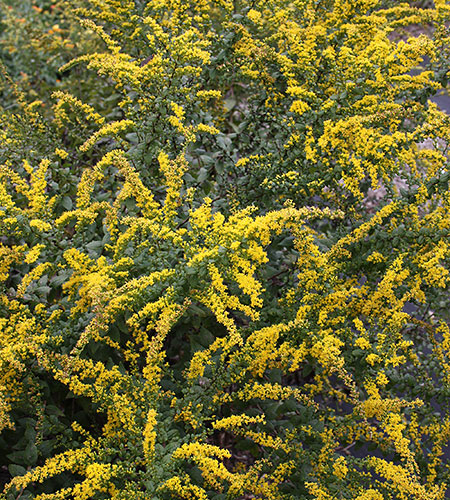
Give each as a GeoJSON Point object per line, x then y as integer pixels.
{"type": "Point", "coordinates": [224, 250]}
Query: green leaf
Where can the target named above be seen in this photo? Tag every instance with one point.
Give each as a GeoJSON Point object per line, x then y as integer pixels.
{"type": "Point", "coordinates": [16, 470]}
{"type": "Point", "coordinates": [67, 203]}
{"type": "Point", "coordinates": [31, 454]}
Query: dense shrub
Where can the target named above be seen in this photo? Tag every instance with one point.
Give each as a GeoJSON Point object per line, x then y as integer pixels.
{"type": "Point", "coordinates": [224, 254]}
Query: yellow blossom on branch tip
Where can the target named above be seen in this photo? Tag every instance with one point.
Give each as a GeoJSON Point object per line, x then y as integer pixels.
{"type": "Point", "coordinates": [111, 129]}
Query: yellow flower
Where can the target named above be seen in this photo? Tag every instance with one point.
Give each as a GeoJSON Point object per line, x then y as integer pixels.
{"type": "Point", "coordinates": [254, 15]}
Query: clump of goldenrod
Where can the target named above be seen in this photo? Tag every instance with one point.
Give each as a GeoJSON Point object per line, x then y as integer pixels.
{"type": "Point", "coordinates": [224, 257]}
